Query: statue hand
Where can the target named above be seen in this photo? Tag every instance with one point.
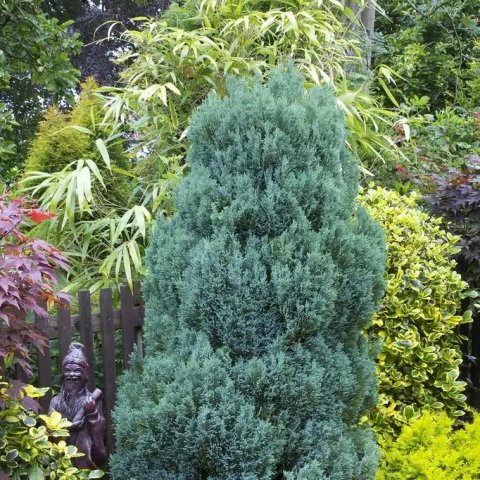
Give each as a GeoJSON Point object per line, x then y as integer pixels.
{"type": "Point", "coordinates": [77, 425]}
{"type": "Point", "coordinates": [89, 406]}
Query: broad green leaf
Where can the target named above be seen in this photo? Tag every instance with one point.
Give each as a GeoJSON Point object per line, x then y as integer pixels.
{"type": "Point", "coordinates": [95, 474]}
{"type": "Point", "coordinates": [35, 473]}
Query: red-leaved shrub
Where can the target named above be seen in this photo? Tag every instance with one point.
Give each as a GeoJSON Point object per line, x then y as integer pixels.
{"type": "Point", "coordinates": [28, 277]}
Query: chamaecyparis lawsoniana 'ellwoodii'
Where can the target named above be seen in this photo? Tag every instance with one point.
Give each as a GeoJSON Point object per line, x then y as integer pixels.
{"type": "Point", "coordinates": [258, 290]}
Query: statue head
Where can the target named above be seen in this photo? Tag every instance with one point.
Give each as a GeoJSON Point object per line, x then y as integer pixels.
{"type": "Point", "coordinates": [75, 368]}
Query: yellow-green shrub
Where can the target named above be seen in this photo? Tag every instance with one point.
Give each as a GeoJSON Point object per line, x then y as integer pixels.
{"type": "Point", "coordinates": [66, 137]}
{"type": "Point", "coordinates": [418, 319]}
{"type": "Point", "coordinates": [430, 449]}
{"type": "Point", "coordinates": [59, 141]}
{"type": "Point", "coordinates": [54, 145]}
{"type": "Point", "coordinates": [26, 450]}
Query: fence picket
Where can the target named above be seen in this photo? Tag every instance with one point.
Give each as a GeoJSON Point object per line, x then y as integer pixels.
{"type": "Point", "coordinates": [21, 374]}
{"type": "Point", "coordinates": [126, 315]}
{"type": "Point", "coordinates": [108, 353]}
{"type": "Point", "coordinates": [137, 296]}
{"type": "Point", "coordinates": [64, 330]}
{"type": "Point", "coordinates": [44, 366]}
{"type": "Point", "coordinates": [86, 332]}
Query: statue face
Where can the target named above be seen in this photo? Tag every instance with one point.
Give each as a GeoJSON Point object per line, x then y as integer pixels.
{"type": "Point", "coordinates": [74, 377]}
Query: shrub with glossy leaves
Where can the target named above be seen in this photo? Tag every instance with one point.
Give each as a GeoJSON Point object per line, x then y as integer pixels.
{"type": "Point", "coordinates": [27, 446]}
{"type": "Point", "coordinates": [418, 365]}
{"type": "Point", "coordinates": [258, 291]}
{"type": "Point", "coordinates": [431, 449]}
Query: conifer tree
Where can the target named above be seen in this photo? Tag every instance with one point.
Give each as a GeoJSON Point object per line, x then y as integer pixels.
{"type": "Point", "coordinates": [256, 366]}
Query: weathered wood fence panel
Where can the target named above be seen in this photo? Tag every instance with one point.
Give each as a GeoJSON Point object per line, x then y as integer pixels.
{"type": "Point", "coordinates": [128, 318]}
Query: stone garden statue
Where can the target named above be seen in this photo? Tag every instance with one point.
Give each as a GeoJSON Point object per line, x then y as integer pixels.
{"type": "Point", "coordinates": [82, 408]}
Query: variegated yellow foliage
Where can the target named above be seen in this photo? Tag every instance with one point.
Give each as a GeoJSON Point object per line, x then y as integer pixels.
{"type": "Point", "coordinates": [417, 322]}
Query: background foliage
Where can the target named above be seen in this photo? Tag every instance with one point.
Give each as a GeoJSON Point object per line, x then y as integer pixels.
{"type": "Point", "coordinates": [190, 50]}
{"type": "Point", "coordinates": [173, 63]}
{"type": "Point", "coordinates": [80, 169]}
{"type": "Point", "coordinates": [66, 136]}
{"type": "Point", "coordinates": [430, 45]}
{"type": "Point", "coordinates": [33, 51]}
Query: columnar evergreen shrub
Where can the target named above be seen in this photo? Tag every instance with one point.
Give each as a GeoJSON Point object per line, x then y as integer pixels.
{"type": "Point", "coordinates": [418, 321]}
{"type": "Point", "coordinates": [259, 287]}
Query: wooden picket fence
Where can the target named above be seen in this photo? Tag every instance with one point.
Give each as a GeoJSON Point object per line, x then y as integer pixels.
{"type": "Point", "coordinates": [128, 318]}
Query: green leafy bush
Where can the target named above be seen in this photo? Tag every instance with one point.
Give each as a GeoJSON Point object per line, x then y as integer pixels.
{"type": "Point", "coordinates": [418, 365]}
{"type": "Point", "coordinates": [472, 80]}
{"type": "Point", "coordinates": [34, 63]}
{"type": "Point", "coordinates": [438, 144]}
{"type": "Point", "coordinates": [432, 449]}
{"type": "Point", "coordinates": [27, 449]}
{"type": "Point", "coordinates": [258, 291]}
{"type": "Point", "coordinates": [428, 43]}
{"type": "Point", "coordinates": [79, 170]}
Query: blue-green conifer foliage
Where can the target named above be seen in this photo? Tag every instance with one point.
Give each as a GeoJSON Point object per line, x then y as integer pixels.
{"type": "Point", "coordinates": [258, 291]}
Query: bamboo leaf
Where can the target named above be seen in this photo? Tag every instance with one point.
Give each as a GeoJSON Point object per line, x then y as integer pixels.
{"type": "Point", "coordinates": [103, 152]}
{"type": "Point", "coordinates": [127, 266]}
{"type": "Point", "coordinates": [96, 171]}
{"type": "Point", "coordinates": [118, 252]}
{"type": "Point", "coordinates": [140, 219]}
{"type": "Point", "coordinates": [122, 224]}
{"type": "Point", "coordinates": [135, 254]}
{"type": "Point", "coordinates": [387, 91]}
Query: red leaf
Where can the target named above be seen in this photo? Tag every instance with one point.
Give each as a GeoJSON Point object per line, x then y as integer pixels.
{"type": "Point", "coordinates": [38, 216]}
